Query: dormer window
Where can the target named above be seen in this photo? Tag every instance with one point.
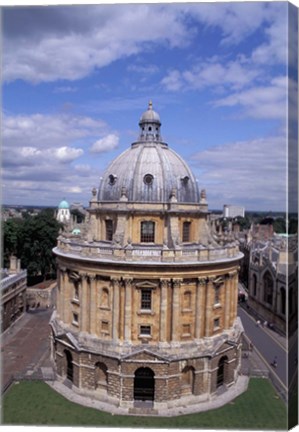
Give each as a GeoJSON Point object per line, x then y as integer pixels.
{"type": "Point", "coordinates": [112, 179]}
{"type": "Point", "coordinates": [185, 180]}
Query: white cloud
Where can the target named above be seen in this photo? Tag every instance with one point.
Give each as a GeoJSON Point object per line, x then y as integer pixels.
{"type": "Point", "coordinates": [44, 130]}
{"type": "Point", "coordinates": [109, 142]}
{"type": "Point", "coordinates": [43, 154]}
{"type": "Point", "coordinates": [67, 154]}
{"type": "Point", "coordinates": [261, 102]}
{"type": "Point", "coordinates": [70, 42]}
{"type": "Point", "coordinates": [93, 37]}
{"type": "Point", "coordinates": [250, 173]}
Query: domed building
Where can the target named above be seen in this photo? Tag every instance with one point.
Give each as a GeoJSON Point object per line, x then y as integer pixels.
{"type": "Point", "coordinates": [63, 213]}
{"type": "Point", "coordinates": [147, 292]}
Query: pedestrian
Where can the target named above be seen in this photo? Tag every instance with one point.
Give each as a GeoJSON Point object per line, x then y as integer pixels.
{"type": "Point", "coordinates": [258, 323]}
{"type": "Point", "coordinates": [274, 363]}
{"type": "Point", "coordinates": [265, 323]}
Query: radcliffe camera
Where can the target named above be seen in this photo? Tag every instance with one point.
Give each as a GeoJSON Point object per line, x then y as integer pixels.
{"type": "Point", "coordinates": [149, 216]}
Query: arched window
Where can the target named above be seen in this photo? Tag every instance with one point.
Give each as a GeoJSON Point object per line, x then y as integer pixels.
{"type": "Point", "coordinates": [291, 301]}
{"type": "Point", "coordinates": [101, 376]}
{"type": "Point", "coordinates": [283, 300]}
{"type": "Point", "coordinates": [105, 298]}
{"type": "Point", "coordinates": [187, 380]}
{"type": "Point", "coordinates": [268, 288]}
{"type": "Point", "coordinates": [254, 285]}
{"type": "Point", "coordinates": [147, 232]}
{"type": "Point", "coordinates": [187, 300]}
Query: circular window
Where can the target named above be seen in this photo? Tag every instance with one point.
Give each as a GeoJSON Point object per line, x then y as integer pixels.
{"type": "Point", "coordinates": [148, 179]}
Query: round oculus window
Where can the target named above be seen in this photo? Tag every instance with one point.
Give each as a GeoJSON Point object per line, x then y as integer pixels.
{"type": "Point", "coordinates": [148, 179]}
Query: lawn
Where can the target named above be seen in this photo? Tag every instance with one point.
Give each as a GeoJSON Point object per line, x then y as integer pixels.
{"type": "Point", "coordinates": [35, 403]}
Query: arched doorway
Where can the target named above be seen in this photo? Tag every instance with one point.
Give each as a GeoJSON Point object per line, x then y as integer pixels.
{"type": "Point", "coordinates": [144, 384]}
{"type": "Point", "coordinates": [101, 376]}
{"type": "Point", "coordinates": [69, 365]}
{"type": "Point", "coordinates": [187, 380]}
{"type": "Point", "coordinates": [221, 371]}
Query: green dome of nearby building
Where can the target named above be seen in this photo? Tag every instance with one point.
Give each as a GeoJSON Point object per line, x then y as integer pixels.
{"type": "Point", "coordinates": [64, 205]}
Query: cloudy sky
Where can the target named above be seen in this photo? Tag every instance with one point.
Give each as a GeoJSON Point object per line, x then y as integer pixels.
{"type": "Point", "coordinates": [76, 80]}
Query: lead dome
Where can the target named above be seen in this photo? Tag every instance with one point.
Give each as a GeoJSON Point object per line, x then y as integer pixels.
{"type": "Point", "coordinates": [149, 171]}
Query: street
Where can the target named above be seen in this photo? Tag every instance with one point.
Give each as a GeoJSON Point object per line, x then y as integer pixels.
{"type": "Point", "coordinates": [266, 344]}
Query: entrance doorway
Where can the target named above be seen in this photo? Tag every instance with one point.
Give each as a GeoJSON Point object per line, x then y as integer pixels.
{"type": "Point", "coordinates": [69, 365]}
{"type": "Point", "coordinates": [144, 385]}
{"type": "Point", "coordinates": [221, 371]}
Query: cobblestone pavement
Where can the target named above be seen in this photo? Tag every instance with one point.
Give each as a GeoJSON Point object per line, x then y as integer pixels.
{"type": "Point", "coordinates": [25, 346]}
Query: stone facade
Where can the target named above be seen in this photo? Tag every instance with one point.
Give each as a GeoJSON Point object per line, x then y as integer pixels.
{"type": "Point", "coordinates": [13, 293]}
{"type": "Point", "coordinates": [147, 293]}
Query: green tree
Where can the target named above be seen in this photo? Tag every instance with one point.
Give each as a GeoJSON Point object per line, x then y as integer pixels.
{"type": "Point", "coordinates": [32, 241]}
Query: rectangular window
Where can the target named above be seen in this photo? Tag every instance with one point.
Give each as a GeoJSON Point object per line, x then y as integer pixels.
{"type": "Point", "coordinates": [186, 329]}
{"type": "Point", "coordinates": [75, 318]}
{"type": "Point", "coordinates": [146, 299]}
{"type": "Point", "coordinates": [216, 323]}
{"type": "Point", "coordinates": [217, 295]}
{"type": "Point", "coordinates": [145, 330]}
{"type": "Point", "coordinates": [186, 231]}
{"type": "Point", "coordinates": [147, 232]}
{"type": "Point", "coordinates": [109, 229]}
{"type": "Point", "coordinates": [105, 326]}
{"type": "Point", "coordinates": [76, 292]}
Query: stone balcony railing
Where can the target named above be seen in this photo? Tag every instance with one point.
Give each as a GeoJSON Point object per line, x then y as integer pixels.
{"type": "Point", "coordinates": [11, 279]}
{"type": "Point", "coordinates": [196, 253]}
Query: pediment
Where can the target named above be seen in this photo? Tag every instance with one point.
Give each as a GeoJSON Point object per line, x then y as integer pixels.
{"type": "Point", "coordinates": [145, 355]}
{"type": "Point", "coordinates": [68, 339]}
{"type": "Point", "coordinates": [146, 284]}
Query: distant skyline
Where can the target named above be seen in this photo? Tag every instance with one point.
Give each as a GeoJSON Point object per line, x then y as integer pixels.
{"type": "Point", "coordinates": [76, 80]}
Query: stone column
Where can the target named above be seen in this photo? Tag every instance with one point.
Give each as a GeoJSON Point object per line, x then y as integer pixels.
{"type": "Point", "coordinates": [199, 311]}
{"type": "Point", "coordinates": [63, 287]}
{"type": "Point", "coordinates": [175, 309]}
{"type": "Point", "coordinates": [116, 309]}
{"type": "Point", "coordinates": [93, 304]}
{"type": "Point", "coordinates": [227, 302]}
{"type": "Point", "coordinates": [164, 283]}
{"type": "Point", "coordinates": [233, 294]}
{"type": "Point", "coordinates": [128, 309]}
{"type": "Point", "coordinates": [84, 319]}
{"type": "Point", "coordinates": [209, 297]}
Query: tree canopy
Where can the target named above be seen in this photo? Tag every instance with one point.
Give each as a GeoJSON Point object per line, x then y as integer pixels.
{"type": "Point", "coordinates": [32, 239]}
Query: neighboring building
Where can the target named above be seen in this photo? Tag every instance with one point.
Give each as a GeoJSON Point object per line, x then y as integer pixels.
{"type": "Point", "coordinates": [147, 291]}
{"type": "Point", "coordinates": [13, 293]}
{"type": "Point", "coordinates": [42, 295]}
{"type": "Point", "coordinates": [231, 211]}
{"type": "Point", "coordinates": [63, 213]}
{"type": "Point", "coordinates": [273, 281]}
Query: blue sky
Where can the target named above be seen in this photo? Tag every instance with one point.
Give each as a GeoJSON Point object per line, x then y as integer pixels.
{"type": "Point", "coordinates": [76, 80]}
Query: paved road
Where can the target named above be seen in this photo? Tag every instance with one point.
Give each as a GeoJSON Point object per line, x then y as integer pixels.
{"type": "Point", "coordinates": [267, 345]}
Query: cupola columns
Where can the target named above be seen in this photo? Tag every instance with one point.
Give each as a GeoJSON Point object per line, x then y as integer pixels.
{"type": "Point", "coordinates": [150, 125]}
